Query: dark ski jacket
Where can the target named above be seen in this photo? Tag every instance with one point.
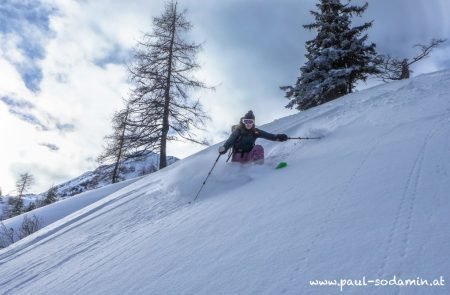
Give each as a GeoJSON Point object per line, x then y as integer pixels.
{"type": "Point", "coordinates": [243, 140]}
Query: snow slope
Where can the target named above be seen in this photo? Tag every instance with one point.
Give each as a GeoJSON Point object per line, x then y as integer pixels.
{"type": "Point", "coordinates": [101, 176]}
{"type": "Point", "coordinates": [369, 201]}
{"type": "Point", "coordinates": [55, 211]}
{"type": "Point", "coordinates": [91, 180]}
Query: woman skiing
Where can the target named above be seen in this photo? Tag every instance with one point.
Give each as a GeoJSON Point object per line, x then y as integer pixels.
{"type": "Point", "coordinates": [242, 141]}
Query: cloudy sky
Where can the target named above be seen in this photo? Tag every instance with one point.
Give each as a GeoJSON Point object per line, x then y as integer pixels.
{"type": "Point", "coordinates": [63, 73]}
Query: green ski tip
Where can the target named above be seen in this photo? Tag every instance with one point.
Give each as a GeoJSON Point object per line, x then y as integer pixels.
{"type": "Point", "coordinates": [281, 165]}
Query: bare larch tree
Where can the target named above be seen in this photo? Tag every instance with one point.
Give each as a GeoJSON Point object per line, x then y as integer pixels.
{"type": "Point", "coordinates": [119, 144]}
{"type": "Point", "coordinates": [162, 77]}
{"type": "Point", "coordinates": [23, 184]}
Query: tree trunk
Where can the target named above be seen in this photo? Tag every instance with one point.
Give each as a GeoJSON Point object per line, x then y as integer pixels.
{"type": "Point", "coordinates": [165, 128]}
{"type": "Point", "coordinates": [405, 70]}
{"type": "Point", "coordinates": [116, 167]}
{"type": "Point", "coordinates": [21, 189]}
{"type": "Point", "coordinates": [119, 155]}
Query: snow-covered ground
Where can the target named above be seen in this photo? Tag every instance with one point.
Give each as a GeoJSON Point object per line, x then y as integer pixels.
{"type": "Point", "coordinates": [101, 176]}
{"type": "Point", "coordinates": [368, 203]}
{"type": "Point", "coordinates": [55, 211]}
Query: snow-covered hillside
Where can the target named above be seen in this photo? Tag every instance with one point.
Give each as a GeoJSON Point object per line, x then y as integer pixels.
{"type": "Point", "coordinates": [368, 204]}
{"type": "Point", "coordinates": [88, 181]}
{"type": "Point", "coordinates": [101, 176]}
{"type": "Point", "coordinates": [11, 230]}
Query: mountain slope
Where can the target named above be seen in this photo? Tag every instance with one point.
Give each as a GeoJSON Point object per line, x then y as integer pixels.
{"type": "Point", "coordinates": [101, 176]}
{"type": "Point", "coordinates": [369, 200]}
{"type": "Point", "coordinates": [95, 179]}
{"type": "Point", "coordinates": [11, 230]}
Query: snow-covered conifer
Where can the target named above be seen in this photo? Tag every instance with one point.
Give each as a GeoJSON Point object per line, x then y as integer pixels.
{"type": "Point", "coordinates": [337, 57]}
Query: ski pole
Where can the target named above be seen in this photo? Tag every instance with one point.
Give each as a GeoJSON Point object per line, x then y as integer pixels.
{"type": "Point", "coordinates": [229, 155]}
{"type": "Point", "coordinates": [304, 137]}
{"type": "Point", "coordinates": [207, 177]}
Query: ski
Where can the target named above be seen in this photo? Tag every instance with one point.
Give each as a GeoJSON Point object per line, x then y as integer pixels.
{"type": "Point", "coordinates": [281, 165]}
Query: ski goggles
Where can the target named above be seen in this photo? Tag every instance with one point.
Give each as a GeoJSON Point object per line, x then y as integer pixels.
{"type": "Point", "coordinates": [248, 121]}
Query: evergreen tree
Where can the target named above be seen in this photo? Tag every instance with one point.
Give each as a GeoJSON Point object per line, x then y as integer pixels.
{"type": "Point", "coordinates": [160, 107]}
{"type": "Point", "coordinates": [336, 58]}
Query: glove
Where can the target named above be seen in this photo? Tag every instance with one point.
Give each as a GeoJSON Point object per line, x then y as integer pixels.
{"type": "Point", "coordinates": [282, 137]}
{"type": "Point", "coordinates": [222, 150]}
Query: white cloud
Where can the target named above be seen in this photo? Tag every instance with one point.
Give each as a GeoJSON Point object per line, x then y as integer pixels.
{"type": "Point", "coordinates": [74, 90]}
{"type": "Point", "coordinates": [11, 82]}
{"type": "Point", "coordinates": [17, 138]}
{"type": "Point", "coordinates": [10, 48]}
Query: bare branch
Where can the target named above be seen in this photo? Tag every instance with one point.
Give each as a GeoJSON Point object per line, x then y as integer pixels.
{"type": "Point", "coordinates": [398, 69]}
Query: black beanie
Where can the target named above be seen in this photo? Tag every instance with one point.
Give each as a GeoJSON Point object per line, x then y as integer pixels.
{"type": "Point", "coordinates": [249, 115]}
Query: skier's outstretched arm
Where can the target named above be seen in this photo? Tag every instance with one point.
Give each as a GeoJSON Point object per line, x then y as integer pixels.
{"type": "Point", "coordinates": [273, 137]}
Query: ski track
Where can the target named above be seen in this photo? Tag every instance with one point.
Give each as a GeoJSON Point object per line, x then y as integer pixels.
{"type": "Point", "coordinates": [303, 262]}
{"type": "Point", "coordinates": [60, 229]}
{"type": "Point", "coordinates": [399, 233]}
{"type": "Point", "coordinates": [443, 172]}
{"type": "Point", "coordinates": [410, 213]}
{"type": "Point", "coordinates": [27, 275]}
{"type": "Point", "coordinates": [161, 208]}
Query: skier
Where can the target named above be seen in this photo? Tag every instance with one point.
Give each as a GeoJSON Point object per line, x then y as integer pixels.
{"type": "Point", "coordinates": [242, 140]}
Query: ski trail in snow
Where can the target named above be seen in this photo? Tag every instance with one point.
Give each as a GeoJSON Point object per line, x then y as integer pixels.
{"type": "Point", "coordinates": [405, 239]}
{"type": "Point", "coordinates": [160, 205]}
{"type": "Point", "coordinates": [70, 222]}
{"type": "Point", "coordinates": [442, 171]}
{"type": "Point", "coordinates": [20, 280]}
{"type": "Point", "coordinates": [399, 233]}
{"type": "Point", "coordinates": [304, 261]}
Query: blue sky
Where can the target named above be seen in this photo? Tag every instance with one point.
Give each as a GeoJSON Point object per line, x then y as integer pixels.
{"type": "Point", "coordinates": [63, 72]}
{"type": "Point", "coordinates": [29, 22]}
